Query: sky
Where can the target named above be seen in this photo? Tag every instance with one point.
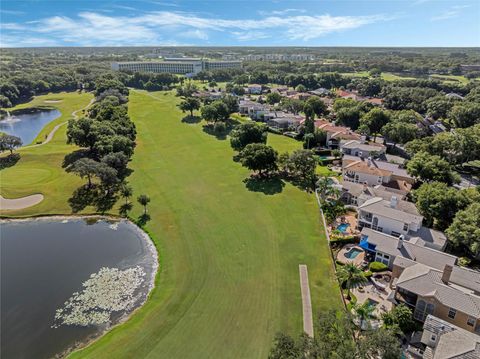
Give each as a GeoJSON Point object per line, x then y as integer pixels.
{"type": "Point", "coordinates": [43, 23]}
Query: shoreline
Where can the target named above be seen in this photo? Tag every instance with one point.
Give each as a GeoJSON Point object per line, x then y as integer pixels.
{"type": "Point", "coordinates": [150, 247]}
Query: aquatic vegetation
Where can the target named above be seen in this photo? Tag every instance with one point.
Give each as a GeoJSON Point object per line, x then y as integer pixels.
{"type": "Point", "coordinates": [108, 291]}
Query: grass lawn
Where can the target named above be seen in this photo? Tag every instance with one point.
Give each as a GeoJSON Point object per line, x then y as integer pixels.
{"type": "Point", "coordinates": [39, 169]}
{"type": "Point", "coordinates": [387, 76]}
{"type": "Point", "coordinates": [452, 78]}
{"type": "Point", "coordinates": [229, 252]}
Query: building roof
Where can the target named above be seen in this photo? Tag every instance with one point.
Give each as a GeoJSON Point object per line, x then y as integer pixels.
{"type": "Point", "coordinates": [368, 147]}
{"type": "Point", "coordinates": [467, 278]}
{"type": "Point", "coordinates": [403, 211]}
{"type": "Point", "coordinates": [452, 341]}
{"type": "Point", "coordinates": [426, 281]}
{"type": "Point", "coordinates": [363, 165]}
{"type": "Point", "coordinates": [429, 238]}
{"type": "Point", "coordinates": [411, 251]}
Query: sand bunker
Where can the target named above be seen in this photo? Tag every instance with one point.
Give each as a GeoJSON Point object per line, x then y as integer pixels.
{"type": "Point", "coordinates": [20, 203]}
{"type": "Point", "coordinates": [52, 101]}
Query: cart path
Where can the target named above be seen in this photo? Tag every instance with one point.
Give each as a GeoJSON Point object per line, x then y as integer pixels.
{"type": "Point", "coordinates": [55, 129]}
{"type": "Point", "coordinates": [306, 301]}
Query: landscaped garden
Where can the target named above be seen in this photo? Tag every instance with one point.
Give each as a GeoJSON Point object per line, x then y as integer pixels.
{"type": "Point", "coordinates": [229, 255]}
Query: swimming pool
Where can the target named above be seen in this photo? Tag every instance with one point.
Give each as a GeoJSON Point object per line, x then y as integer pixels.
{"type": "Point", "coordinates": [343, 227]}
{"type": "Point", "coordinates": [353, 253]}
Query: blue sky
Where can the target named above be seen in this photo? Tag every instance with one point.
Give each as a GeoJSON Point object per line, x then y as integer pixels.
{"type": "Point", "coordinates": [240, 23]}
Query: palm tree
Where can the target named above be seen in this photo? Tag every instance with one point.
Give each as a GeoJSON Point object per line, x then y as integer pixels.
{"type": "Point", "coordinates": [143, 199]}
{"type": "Point", "coordinates": [364, 312]}
{"type": "Point", "coordinates": [323, 186]}
{"type": "Point", "coordinates": [351, 276]}
{"type": "Point", "coordinates": [126, 192]}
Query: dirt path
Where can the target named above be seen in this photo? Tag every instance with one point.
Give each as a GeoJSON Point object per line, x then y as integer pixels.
{"type": "Point", "coordinates": [306, 301]}
{"type": "Point", "coordinates": [20, 203]}
{"type": "Point", "coordinates": [55, 129]}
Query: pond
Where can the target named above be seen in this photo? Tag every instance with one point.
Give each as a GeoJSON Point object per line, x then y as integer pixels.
{"type": "Point", "coordinates": [28, 125]}
{"type": "Point", "coordinates": [66, 281]}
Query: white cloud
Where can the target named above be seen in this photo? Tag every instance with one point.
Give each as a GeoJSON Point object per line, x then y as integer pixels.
{"type": "Point", "coordinates": [195, 34]}
{"type": "Point", "coordinates": [281, 12]}
{"type": "Point", "coordinates": [450, 13]}
{"type": "Point", "coordinates": [250, 35]}
{"type": "Point", "coordinates": [152, 28]}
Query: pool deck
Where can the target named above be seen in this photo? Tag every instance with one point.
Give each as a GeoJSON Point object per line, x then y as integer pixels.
{"type": "Point", "coordinates": [357, 260]}
{"type": "Point", "coordinates": [369, 291]}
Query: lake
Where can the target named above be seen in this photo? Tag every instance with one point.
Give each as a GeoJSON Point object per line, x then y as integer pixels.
{"type": "Point", "coordinates": [53, 269]}
{"type": "Point", "coordinates": [28, 125]}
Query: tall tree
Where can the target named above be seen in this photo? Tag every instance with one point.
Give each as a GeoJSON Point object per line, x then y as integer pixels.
{"type": "Point", "coordinates": [86, 168]}
{"type": "Point", "coordinates": [259, 157]}
{"type": "Point", "coordinates": [246, 133]}
{"type": "Point", "coordinates": [464, 232]}
{"type": "Point", "coordinates": [144, 200]}
{"type": "Point", "coordinates": [430, 168]}
{"type": "Point", "coordinates": [9, 142]}
{"type": "Point", "coordinates": [190, 104]}
{"type": "Point", "coordinates": [350, 275]}
{"type": "Point", "coordinates": [375, 119]}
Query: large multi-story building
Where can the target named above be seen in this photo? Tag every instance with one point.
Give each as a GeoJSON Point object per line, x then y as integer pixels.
{"type": "Point", "coordinates": [175, 65]}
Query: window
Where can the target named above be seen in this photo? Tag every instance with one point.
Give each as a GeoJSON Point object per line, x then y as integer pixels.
{"type": "Point", "coordinates": [433, 338]}
{"type": "Point", "coordinates": [405, 227]}
{"type": "Point", "coordinates": [422, 309]}
{"type": "Point", "coordinates": [395, 234]}
{"type": "Point", "coordinates": [451, 313]}
{"type": "Point", "coordinates": [383, 258]}
{"type": "Point", "coordinates": [471, 321]}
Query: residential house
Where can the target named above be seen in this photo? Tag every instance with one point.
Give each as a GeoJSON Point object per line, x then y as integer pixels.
{"type": "Point", "coordinates": [355, 96]}
{"type": "Point", "coordinates": [360, 148]}
{"type": "Point", "coordinates": [374, 172]}
{"type": "Point", "coordinates": [254, 89]}
{"type": "Point", "coordinates": [398, 218]}
{"type": "Point", "coordinates": [252, 109]}
{"type": "Point", "coordinates": [355, 194]}
{"type": "Point", "coordinates": [386, 249]}
{"type": "Point", "coordinates": [443, 340]}
{"type": "Point", "coordinates": [451, 294]}
{"type": "Point", "coordinates": [280, 120]}
{"type": "Point", "coordinates": [335, 134]}
{"type": "Point", "coordinates": [321, 91]}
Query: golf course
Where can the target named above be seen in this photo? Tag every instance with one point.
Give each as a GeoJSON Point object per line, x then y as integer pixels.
{"type": "Point", "coordinates": [229, 249]}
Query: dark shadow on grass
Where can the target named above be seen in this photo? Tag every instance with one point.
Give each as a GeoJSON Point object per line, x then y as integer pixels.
{"type": "Point", "coordinates": [125, 208]}
{"type": "Point", "coordinates": [191, 119]}
{"type": "Point", "coordinates": [143, 219]}
{"type": "Point", "coordinates": [9, 161]}
{"type": "Point", "coordinates": [210, 129]}
{"type": "Point", "coordinates": [301, 183]}
{"type": "Point", "coordinates": [95, 196]}
{"type": "Point", "coordinates": [82, 197]}
{"type": "Point", "coordinates": [74, 156]}
{"type": "Point", "coordinates": [266, 185]}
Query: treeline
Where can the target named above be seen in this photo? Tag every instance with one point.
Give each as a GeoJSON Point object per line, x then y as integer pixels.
{"type": "Point", "coordinates": [107, 138]}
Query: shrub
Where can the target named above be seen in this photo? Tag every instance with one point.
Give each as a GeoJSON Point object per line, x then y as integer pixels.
{"type": "Point", "coordinates": [377, 267]}
{"type": "Point", "coordinates": [464, 261]}
{"type": "Point", "coordinates": [368, 274]}
{"type": "Point", "coordinates": [219, 127]}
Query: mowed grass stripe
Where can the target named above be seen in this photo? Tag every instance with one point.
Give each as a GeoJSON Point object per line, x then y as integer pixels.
{"type": "Point", "coordinates": [229, 256]}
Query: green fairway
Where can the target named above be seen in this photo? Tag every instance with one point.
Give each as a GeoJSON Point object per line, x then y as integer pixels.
{"type": "Point", "coordinates": [40, 168]}
{"type": "Point", "coordinates": [229, 255]}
